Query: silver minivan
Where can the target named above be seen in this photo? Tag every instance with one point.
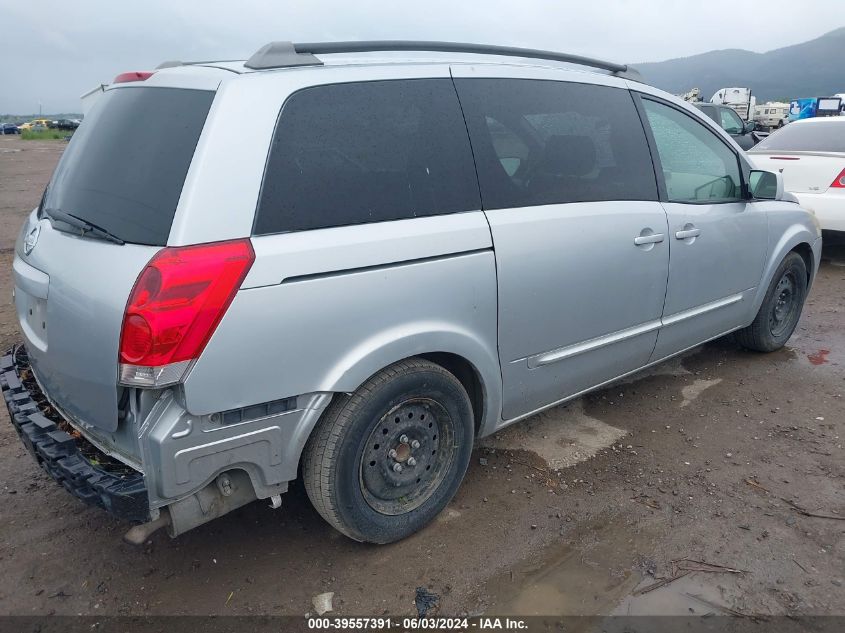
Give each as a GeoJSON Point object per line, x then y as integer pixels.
{"type": "Point", "coordinates": [347, 268]}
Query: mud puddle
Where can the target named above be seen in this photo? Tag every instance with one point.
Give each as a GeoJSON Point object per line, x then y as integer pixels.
{"type": "Point", "coordinates": [586, 575]}
{"type": "Point", "coordinates": [607, 568]}
{"type": "Point", "coordinates": [695, 594]}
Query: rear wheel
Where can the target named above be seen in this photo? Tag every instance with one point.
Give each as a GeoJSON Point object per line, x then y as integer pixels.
{"type": "Point", "coordinates": [781, 308]}
{"type": "Point", "coordinates": [386, 460]}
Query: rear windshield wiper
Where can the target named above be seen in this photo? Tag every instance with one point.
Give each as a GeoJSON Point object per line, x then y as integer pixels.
{"type": "Point", "coordinates": [85, 227]}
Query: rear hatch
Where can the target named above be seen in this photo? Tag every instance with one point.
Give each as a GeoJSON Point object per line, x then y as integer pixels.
{"type": "Point", "coordinates": [802, 173]}
{"type": "Point", "coordinates": [809, 154]}
{"type": "Point", "coordinates": [107, 210]}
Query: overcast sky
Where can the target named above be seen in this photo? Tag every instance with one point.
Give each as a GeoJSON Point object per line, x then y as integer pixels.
{"type": "Point", "coordinates": [53, 53]}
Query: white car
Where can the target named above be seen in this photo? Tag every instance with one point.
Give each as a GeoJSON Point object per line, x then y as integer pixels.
{"type": "Point", "coordinates": [811, 156]}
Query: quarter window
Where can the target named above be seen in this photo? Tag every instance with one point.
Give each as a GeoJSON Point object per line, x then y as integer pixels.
{"type": "Point", "coordinates": [548, 142]}
{"type": "Point", "coordinates": [697, 165]}
{"type": "Point", "coordinates": [367, 152]}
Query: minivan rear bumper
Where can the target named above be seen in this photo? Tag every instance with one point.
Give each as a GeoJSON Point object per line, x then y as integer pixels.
{"type": "Point", "coordinates": [70, 459]}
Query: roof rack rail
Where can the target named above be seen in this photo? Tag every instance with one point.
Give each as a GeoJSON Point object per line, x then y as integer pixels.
{"type": "Point", "coordinates": [286, 54]}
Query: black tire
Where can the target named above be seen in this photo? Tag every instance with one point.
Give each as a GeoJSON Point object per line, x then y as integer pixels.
{"type": "Point", "coordinates": [413, 410]}
{"type": "Point", "coordinates": [781, 308]}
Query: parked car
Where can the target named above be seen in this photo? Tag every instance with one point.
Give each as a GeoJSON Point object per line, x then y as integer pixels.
{"type": "Point", "coordinates": [426, 254]}
{"type": "Point", "coordinates": [9, 128]}
{"type": "Point", "coordinates": [727, 118]}
{"type": "Point", "coordinates": [810, 154]}
{"type": "Point", "coordinates": [65, 124]}
{"type": "Point", "coordinates": [36, 124]}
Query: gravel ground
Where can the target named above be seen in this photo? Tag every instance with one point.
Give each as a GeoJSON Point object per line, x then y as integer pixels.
{"type": "Point", "coordinates": [722, 457]}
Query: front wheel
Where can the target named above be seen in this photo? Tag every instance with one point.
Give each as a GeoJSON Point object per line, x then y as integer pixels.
{"type": "Point", "coordinates": [781, 308]}
{"type": "Point", "coordinates": [386, 460]}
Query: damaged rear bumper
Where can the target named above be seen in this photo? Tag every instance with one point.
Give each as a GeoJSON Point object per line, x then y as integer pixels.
{"type": "Point", "coordinates": [196, 468]}
{"type": "Point", "coordinates": [76, 464]}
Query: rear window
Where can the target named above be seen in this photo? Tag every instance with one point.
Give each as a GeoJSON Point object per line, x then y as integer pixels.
{"type": "Point", "coordinates": [711, 113]}
{"type": "Point", "coordinates": [818, 136]}
{"type": "Point", "coordinates": [125, 166]}
{"type": "Point", "coordinates": [375, 151]}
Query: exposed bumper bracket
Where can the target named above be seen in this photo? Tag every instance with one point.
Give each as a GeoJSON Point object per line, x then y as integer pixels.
{"type": "Point", "coordinates": [70, 459]}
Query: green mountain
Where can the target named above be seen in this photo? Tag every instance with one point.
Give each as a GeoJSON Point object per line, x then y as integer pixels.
{"type": "Point", "coordinates": [811, 69]}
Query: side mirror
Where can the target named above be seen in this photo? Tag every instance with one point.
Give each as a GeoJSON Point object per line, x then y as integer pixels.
{"type": "Point", "coordinates": [765, 185]}
{"type": "Point", "coordinates": [749, 126]}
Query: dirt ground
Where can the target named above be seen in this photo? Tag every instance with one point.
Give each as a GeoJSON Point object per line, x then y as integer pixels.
{"type": "Point", "coordinates": [722, 456]}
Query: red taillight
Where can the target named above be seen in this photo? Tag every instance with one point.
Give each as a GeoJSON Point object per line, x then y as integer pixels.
{"type": "Point", "coordinates": [175, 306]}
{"type": "Point", "coordinates": [133, 75]}
{"type": "Point", "coordinates": [839, 183]}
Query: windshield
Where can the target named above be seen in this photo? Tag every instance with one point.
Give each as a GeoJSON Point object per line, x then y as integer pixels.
{"type": "Point", "coordinates": [818, 136]}
{"type": "Point", "coordinates": [125, 166]}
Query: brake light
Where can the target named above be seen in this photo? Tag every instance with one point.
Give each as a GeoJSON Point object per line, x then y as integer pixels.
{"type": "Point", "coordinates": [174, 308]}
{"type": "Point", "coordinates": [839, 183]}
{"type": "Point", "coordinates": [133, 75]}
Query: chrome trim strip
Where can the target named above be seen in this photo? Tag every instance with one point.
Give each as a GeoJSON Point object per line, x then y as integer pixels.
{"type": "Point", "coordinates": [554, 356]}
{"type": "Point", "coordinates": [547, 358]}
{"type": "Point", "coordinates": [503, 423]}
{"type": "Point", "coordinates": [365, 269]}
{"type": "Point", "coordinates": [702, 309]}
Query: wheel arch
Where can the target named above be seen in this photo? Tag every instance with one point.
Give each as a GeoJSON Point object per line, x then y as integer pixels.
{"type": "Point", "coordinates": [467, 374]}
{"type": "Point", "coordinates": [796, 238]}
{"type": "Point", "coordinates": [806, 253]}
{"type": "Point", "coordinates": [471, 359]}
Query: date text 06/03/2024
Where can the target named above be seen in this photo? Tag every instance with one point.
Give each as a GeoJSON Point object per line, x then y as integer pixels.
{"type": "Point", "coordinates": [427, 624]}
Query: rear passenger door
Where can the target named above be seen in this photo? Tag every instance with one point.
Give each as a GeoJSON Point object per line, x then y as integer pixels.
{"type": "Point", "coordinates": [717, 238]}
{"type": "Point", "coordinates": [569, 189]}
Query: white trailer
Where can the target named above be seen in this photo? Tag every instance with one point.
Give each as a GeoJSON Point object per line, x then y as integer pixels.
{"type": "Point", "coordinates": [740, 99]}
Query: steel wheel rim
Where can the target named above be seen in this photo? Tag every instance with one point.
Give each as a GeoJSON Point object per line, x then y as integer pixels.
{"type": "Point", "coordinates": [785, 305]}
{"type": "Point", "coordinates": [416, 435]}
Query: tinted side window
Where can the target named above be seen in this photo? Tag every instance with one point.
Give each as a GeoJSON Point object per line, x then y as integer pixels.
{"type": "Point", "coordinates": [367, 152]}
{"type": "Point", "coordinates": [547, 142]}
{"type": "Point", "coordinates": [697, 165]}
{"type": "Point", "coordinates": [711, 113]}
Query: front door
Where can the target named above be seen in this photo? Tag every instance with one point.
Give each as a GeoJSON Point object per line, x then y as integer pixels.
{"type": "Point", "coordinates": [580, 237]}
{"type": "Point", "coordinates": [717, 238]}
{"type": "Point", "coordinates": [733, 125]}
